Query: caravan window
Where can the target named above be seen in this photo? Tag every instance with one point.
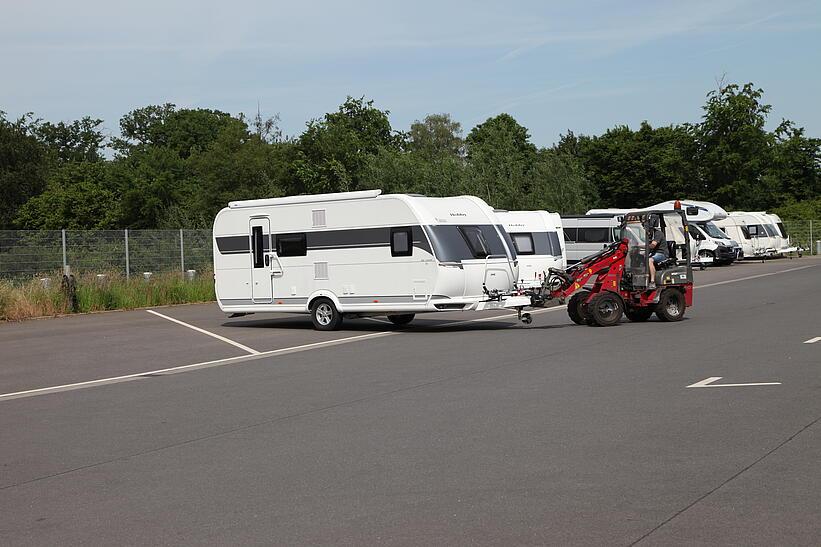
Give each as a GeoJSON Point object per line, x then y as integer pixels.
{"type": "Point", "coordinates": [475, 240]}
{"type": "Point", "coordinates": [292, 245]}
{"type": "Point", "coordinates": [770, 230]}
{"type": "Point", "coordinates": [523, 243]}
{"type": "Point", "coordinates": [744, 231]}
{"type": "Point", "coordinates": [782, 229]}
{"type": "Point", "coordinates": [257, 247]}
{"type": "Point", "coordinates": [451, 244]}
{"type": "Point", "coordinates": [401, 242]}
{"type": "Point", "coordinates": [555, 246]}
{"type": "Point", "coordinates": [594, 235]}
{"type": "Point", "coordinates": [570, 234]}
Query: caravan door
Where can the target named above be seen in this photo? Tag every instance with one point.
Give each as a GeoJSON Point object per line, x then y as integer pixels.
{"type": "Point", "coordinates": [262, 283]}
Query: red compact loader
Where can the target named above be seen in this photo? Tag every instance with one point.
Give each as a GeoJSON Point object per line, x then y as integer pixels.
{"type": "Point", "coordinates": [620, 275]}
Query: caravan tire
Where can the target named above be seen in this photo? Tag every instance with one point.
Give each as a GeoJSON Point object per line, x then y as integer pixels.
{"type": "Point", "coordinates": [402, 319]}
{"type": "Point", "coordinates": [324, 314]}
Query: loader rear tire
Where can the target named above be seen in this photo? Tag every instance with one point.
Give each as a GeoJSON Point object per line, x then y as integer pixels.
{"type": "Point", "coordinates": [576, 308]}
{"type": "Point", "coordinates": [671, 305]}
{"type": "Point", "coordinates": [606, 309]}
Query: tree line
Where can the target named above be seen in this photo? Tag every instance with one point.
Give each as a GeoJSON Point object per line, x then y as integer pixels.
{"type": "Point", "coordinates": [176, 167]}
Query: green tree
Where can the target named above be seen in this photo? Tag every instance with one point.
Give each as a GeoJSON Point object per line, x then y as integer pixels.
{"type": "Point", "coordinates": [558, 183]}
{"type": "Point", "coordinates": [23, 166]}
{"type": "Point", "coordinates": [435, 136]}
{"type": "Point", "coordinates": [78, 195]}
{"type": "Point", "coordinates": [333, 152]}
{"type": "Point", "coordinates": [735, 148]}
{"type": "Point", "coordinates": [639, 168]}
{"type": "Point", "coordinates": [500, 155]}
{"type": "Point", "coordinates": [80, 140]}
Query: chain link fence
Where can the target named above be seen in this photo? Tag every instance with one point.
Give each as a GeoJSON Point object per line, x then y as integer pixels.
{"type": "Point", "coordinates": [805, 234]}
{"type": "Point", "coordinates": [26, 253]}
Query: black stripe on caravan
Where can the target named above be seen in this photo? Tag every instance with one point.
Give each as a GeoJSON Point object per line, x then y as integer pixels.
{"type": "Point", "coordinates": [330, 239]}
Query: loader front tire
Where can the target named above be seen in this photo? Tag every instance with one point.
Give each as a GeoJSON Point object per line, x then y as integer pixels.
{"type": "Point", "coordinates": [606, 309]}
{"type": "Point", "coordinates": [576, 308]}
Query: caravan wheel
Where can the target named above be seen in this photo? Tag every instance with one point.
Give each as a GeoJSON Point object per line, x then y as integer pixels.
{"type": "Point", "coordinates": [402, 319]}
{"type": "Point", "coordinates": [324, 314]}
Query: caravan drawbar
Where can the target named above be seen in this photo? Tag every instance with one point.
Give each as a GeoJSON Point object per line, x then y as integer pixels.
{"type": "Point", "coordinates": [362, 254]}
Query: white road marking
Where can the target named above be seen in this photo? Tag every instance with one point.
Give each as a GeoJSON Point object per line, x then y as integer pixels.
{"type": "Point", "coordinates": [708, 382]}
{"type": "Point", "coordinates": [229, 360]}
{"type": "Point", "coordinates": [186, 368]}
{"type": "Point", "coordinates": [387, 322]}
{"type": "Point", "coordinates": [754, 276]}
{"type": "Point", "coordinates": [211, 334]}
{"type": "Point", "coordinates": [813, 340]}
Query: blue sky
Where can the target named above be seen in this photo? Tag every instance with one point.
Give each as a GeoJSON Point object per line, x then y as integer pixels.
{"type": "Point", "coordinates": [586, 66]}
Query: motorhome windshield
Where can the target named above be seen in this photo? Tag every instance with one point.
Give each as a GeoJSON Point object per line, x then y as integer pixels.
{"type": "Point", "coordinates": [713, 230]}
{"type": "Point", "coordinates": [466, 242]}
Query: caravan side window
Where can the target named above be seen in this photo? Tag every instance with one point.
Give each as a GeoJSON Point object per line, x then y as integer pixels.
{"type": "Point", "coordinates": [523, 243]}
{"type": "Point", "coordinates": [401, 242]}
{"type": "Point", "coordinates": [292, 245]}
{"type": "Point", "coordinates": [570, 234]}
{"type": "Point", "coordinates": [594, 235]}
{"type": "Point", "coordinates": [257, 247]}
{"type": "Point", "coordinates": [476, 241]}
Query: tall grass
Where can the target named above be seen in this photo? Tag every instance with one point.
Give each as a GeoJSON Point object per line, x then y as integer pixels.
{"type": "Point", "coordinates": [27, 299]}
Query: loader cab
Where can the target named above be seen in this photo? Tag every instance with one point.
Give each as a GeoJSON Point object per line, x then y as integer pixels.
{"type": "Point", "coordinates": [636, 230]}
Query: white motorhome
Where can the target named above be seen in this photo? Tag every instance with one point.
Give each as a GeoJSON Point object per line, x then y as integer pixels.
{"type": "Point", "coordinates": [588, 234]}
{"type": "Point", "coordinates": [361, 254]}
{"type": "Point", "coordinates": [535, 236]}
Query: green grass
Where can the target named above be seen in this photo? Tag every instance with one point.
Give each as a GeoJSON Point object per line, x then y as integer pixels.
{"type": "Point", "coordinates": [24, 300]}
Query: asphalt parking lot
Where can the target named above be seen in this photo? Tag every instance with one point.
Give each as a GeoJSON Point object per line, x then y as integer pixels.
{"type": "Point", "coordinates": [131, 428]}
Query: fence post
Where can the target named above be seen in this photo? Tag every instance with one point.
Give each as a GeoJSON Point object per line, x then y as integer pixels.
{"type": "Point", "coordinates": [182, 254]}
{"type": "Point", "coordinates": [127, 263]}
{"type": "Point", "coordinates": [811, 241]}
{"type": "Point", "coordinates": [65, 264]}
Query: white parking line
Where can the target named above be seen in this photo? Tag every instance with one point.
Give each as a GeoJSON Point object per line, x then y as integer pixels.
{"type": "Point", "coordinates": [754, 276]}
{"type": "Point", "coordinates": [813, 340]}
{"type": "Point", "coordinates": [708, 382]}
{"type": "Point", "coordinates": [186, 368]}
{"type": "Point", "coordinates": [229, 360]}
{"type": "Point", "coordinates": [211, 334]}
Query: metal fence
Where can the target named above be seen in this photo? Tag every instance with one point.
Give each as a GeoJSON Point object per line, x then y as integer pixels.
{"type": "Point", "coordinates": [805, 234]}
{"type": "Point", "coordinates": [38, 252]}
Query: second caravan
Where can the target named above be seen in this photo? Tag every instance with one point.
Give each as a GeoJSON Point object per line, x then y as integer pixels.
{"type": "Point", "coordinates": [538, 241]}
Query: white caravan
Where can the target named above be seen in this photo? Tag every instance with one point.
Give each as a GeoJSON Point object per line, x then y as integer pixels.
{"type": "Point", "coordinates": [535, 236]}
{"type": "Point", "coordinates": [787, 244]}
{"type": "Point", "coordinates": [751, 229]}
{"type": "Point", "coordinates": [361, 254]}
